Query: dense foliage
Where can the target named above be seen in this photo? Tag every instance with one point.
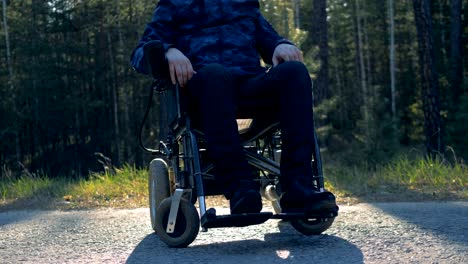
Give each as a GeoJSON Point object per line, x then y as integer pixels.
{"type": "Point", "coordinates": [68, 91]}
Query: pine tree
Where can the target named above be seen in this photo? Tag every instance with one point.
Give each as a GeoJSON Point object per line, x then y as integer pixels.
{"type": "Point", "coordinates": [429, 79]}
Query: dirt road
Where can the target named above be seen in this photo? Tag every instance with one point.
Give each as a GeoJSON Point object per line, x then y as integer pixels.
{"type": "Point", "coordinates": [363, 233]}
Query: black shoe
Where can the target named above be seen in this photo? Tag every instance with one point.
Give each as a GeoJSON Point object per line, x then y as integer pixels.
{"type": "Point", "coordinates": [245, 198]}
{"type": "Point", "coordinates": [298, 199]}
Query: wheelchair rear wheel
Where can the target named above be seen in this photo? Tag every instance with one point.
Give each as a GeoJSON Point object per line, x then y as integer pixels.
{"type": "Point", "coordinates": [158, 185]}
{"type": "Point", "coordinates": [187, 223]}
{"type": "Point", "coordinates": [311, 227]}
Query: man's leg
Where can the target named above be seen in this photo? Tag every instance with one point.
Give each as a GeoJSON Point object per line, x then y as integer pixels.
{"type": "Point", "coordinates": [213, 104]}
{"type": "Point", "coordinates": [288, 88]}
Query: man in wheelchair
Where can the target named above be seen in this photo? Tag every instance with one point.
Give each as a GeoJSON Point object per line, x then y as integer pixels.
{"type": "Point", "coordinates": [212, 50]}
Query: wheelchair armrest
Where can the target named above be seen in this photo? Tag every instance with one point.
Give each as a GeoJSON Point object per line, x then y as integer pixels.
{"type": "Point", "coordinates": [156, 60]}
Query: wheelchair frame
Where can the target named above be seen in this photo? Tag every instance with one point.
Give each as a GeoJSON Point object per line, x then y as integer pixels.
{"type": "Point", "coordinates": [181, 150]}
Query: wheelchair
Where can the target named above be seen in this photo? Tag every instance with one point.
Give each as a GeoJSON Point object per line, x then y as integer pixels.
{"type": "Point", "coordinates": [181, 174]}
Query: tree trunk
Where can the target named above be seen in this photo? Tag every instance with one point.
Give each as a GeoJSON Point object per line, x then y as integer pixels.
{"type": "Point", "coordinates": [429, 78]}
{"type": "Point", "coordinates": [7, 44]}
{"type": "Point", "coordinates": [320, 31]}
{"type": "Point", "coordinates": [285, 19]}
{"type": "Point", "coordinates": [368, 54]}
{"type": "Point", "coordinates": [121, 74]}
{"type": "Point", "coordinates": [297, 17]}
{"type": "Point", "coordinates": [10, 80]}
{"type": "Point", "coordinates": [391, 21]}
{"type": "Point", "coordinates": [456, 54]}
{"type": "Point", "coordinates": [440, 33]}
{"type": "Point", "coordinates": [115, 99]}
{"type": "Point", "coordinates": [362, 69]}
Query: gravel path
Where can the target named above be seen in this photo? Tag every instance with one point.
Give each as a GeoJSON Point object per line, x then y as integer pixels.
{"type": "Point", "coordinates": [363, 233]}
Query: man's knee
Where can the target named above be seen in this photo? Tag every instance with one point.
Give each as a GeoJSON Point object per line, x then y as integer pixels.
{"type": "Point", "coordinates": [293, 73]}
{"type": "Point", "coordinates": [293, 68]}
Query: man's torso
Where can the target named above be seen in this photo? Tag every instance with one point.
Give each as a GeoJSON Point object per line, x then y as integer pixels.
{"type": "Point", "coordinates": [218, 31]}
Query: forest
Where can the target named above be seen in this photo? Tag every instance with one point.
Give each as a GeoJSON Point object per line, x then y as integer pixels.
{"type": "Point", "coordinates": [390, 77]}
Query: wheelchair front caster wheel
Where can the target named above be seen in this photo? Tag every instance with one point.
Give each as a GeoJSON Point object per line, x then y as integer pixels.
{"type": "Point", "coordinates": [187, 223]}
{"type": "Point", "coordinates": [311, 227]}
{"type": "Point", "coordinates": [158, 185]}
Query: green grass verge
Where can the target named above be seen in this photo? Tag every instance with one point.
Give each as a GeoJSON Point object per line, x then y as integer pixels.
{"type": "Point", "coordinates": [127, 188]}
{"type": "Point", "coordinates": [403, 179]}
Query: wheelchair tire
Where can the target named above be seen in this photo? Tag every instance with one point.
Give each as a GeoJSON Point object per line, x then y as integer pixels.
{"type": "Point", "coordinates": [310, 227]}
{"type": "Point", "coordinates": [187, 223]}
{"type": "Point", "coordinates": [158, 185]}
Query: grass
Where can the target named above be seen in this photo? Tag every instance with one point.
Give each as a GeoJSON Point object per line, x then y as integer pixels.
{"type": "Point", "coordinates": [127, 188]}
{"type": "Point", "coordinates": [403, 179]}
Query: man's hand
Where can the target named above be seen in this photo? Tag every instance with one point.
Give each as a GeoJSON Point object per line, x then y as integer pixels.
{"type": "Point", "coordinates": [180, 67]}
{"type": "Point", "coordinates": [286, 52]}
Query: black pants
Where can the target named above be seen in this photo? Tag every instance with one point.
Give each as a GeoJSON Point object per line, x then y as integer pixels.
{"type": "Point", "coordinates": [216, 99]}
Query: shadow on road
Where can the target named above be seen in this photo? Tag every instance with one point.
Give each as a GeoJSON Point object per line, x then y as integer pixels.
{"type": "Point", "coordinates": [16, 216]}
{"type": "Point", "coordinates": [285, 246]}
{"type": "Point", "coordinates": [430, 212]}
{"type": "Point", "coordinates": [448, 220]}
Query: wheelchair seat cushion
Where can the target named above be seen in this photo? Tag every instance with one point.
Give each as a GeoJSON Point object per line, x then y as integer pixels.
{"type": "Point", "coordinates": [243, 125]}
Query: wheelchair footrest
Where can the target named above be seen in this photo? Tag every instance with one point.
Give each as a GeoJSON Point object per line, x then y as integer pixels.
{"type": "Point", "coordinates": [211, 220]}
{"type": "Point", "coordinates": [330, 213]}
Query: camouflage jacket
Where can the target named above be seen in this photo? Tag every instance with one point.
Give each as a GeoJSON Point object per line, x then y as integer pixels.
{"type": "Point", "coordinates": [230, 32]}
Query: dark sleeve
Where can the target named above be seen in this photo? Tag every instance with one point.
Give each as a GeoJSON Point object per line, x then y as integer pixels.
{"type": "Point", "coordinates": [160, 29]}
{"type": "Point", "coordinates": [267, 39]}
